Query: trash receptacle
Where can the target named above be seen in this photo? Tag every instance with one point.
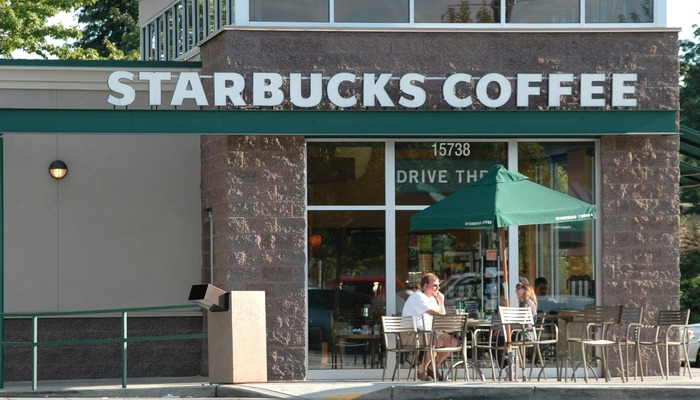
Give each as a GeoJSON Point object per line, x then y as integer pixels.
{"type": "Point", "coordinates": [237, 338]}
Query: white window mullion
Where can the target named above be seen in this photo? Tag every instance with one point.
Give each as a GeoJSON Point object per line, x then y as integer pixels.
{"type": "Point", "coordinates": [242, 13]}
{"type": "Point", "coordinates": [512, 233]}
{"type": "Point", "coordinates": [390, 224]}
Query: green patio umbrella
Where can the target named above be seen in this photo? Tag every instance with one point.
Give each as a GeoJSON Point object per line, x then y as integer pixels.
{"type": "Point", "coordinates": [501, 198]}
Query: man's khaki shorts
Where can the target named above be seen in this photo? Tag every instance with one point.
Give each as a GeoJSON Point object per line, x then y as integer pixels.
{"type": "Point", "coordinates": [408, 338]}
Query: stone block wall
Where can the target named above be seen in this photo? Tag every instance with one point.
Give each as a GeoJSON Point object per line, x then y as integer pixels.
{"type": "Point", "coordinates": [639, 217]}
{"type": "Point", "coordinates": [256, 188]}
{"type": "Point", "coordinates": [652, 55]}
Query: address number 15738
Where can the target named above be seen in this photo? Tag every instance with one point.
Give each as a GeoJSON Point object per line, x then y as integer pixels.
{"type": "Point", "coordinates": [457, 149]}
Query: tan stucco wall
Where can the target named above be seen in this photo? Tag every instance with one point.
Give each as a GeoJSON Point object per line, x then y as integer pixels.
{"type": "Point", "coordinates": [123, 229]}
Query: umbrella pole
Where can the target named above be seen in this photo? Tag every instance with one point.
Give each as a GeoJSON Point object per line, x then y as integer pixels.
{"type": "Point", "coordinates": [505, 266]}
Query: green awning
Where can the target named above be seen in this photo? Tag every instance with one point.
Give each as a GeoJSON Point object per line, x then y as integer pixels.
{"type": "Point", "coordinates": [690, 148]}
{"type": "Point", "coordinates": [690, 175]}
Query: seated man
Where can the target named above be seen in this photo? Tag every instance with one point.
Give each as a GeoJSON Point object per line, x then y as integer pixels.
{"type": "Point", "coordinates": [427, 301]}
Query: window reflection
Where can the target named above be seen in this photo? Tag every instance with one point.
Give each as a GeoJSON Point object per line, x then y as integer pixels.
{"type": "Point", "coordinates": [543, 11]}
{"type": "Point", "coordinates": [427, 172]}
{"type": "Point", "coordinates": [289, 10]}
{"type": "Point", "coordinates": [345, 173]}
{"type": "Point", "coordinates": [372, 11]}
{"type": "Point", "coordinates": [619, 11]}
{"type": "Point", "coordinates": [346, 275]}
{"type": "Point", "coordinates": [562, 254]}
{"type": "Point", "coordinates": [456, 11]}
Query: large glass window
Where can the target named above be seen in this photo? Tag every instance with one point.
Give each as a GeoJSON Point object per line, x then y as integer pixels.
{"type": "Point", "coordinates": [346, 275]}
{"type": "Point", "coordinates": [543, 12]}
{"type": "Point", "coordinates": [371, 11]}
{"type": "Point", "coordinates": [619, 11]}
{"type": "Point", "coordinates": [452, 11]}
{"type": "Point", "coordinates": [427, 172]}
{"type": "Point", "coordinates": [559, 254]}
{"type": "Point", "coordinates": [345, 173]}
{"type": "Point", "coordinates": [347, 253]}
{"type": "Point", "coordinates": [350, 271]}
{"type": "Point", "coordinates": [289, 10]}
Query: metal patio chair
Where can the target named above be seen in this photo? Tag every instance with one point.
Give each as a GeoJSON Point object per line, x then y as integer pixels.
{"type": "Point", "coordinates": [520, 334]}
{"type": "Point", "coordinates": [393, 328]}
{"type": "Point", "coordinates": [670, 330]}
{"type": "Point", "coordinates": [457, 326]}
{"type": "Point", "coordinates": [628, 335]}
{"type": "Point", "coordinates": [596, 330]}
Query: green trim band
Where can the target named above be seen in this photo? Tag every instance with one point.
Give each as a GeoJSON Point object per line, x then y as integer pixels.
{"type": "Point", "coordinates": [100, 64]}
{"type": "Point", "coordinates": [325, 123]}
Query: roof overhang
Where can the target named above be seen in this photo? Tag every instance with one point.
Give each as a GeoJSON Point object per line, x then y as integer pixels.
{"type": "Point", "coordinates": [690, 148]}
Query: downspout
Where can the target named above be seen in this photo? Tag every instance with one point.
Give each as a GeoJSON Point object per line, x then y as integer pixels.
{"type": "Point", "coordinates": [211, 245]}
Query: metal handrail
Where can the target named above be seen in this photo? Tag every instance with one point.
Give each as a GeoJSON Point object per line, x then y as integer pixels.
{"type": "Point", "coordinates": [35, 344]}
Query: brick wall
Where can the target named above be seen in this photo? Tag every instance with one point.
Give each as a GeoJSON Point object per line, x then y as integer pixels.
{"type": "Point", "coordinates": [145, 359]}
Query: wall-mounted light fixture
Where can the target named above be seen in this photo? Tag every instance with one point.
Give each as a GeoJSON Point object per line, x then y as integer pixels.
{"type": "Point", "coordinates": [58, 169]}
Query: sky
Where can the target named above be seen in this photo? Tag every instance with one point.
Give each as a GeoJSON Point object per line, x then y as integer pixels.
{"type": "Point", "coordinates": [683, 14]}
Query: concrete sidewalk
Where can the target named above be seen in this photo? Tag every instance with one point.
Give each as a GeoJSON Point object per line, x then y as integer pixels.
{"type": "Point", "coordinates": [198, 387]}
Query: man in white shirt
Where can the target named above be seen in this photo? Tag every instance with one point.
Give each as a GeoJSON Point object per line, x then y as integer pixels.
{"type": "Point", "coordinates": [422, 305]}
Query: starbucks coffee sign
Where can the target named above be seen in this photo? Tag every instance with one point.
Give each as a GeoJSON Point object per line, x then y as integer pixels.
{"type": "Point", "coordinates": [345, 90]}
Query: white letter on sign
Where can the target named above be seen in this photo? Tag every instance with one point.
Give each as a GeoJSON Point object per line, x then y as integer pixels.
{"type": "Point", "coordinates": [372, 89]}
{"type": "Point", "coordinates": [334, 90]}
{"type": "Point", "coordinates": [503, 95]}
{"type": "Point", "coordinates": [233, 92]}
{"type": "Point", "coordinates": [556, 90]}
{"type": "Point", "coordinates": [525, 90]}
{"type": "Point", "coordinates": [448, 90]}
{"type": "Point", "coordinates": [155, 80]}
{"type": "Point", "coordinates": [189, 87]}
{"type": "Point", "coordinates": [418, 93]}
{"type": "Point", "coordinates": [128, 93]}
{"type": "Point", "coordinates": [315, 90]}
{"type": "Point", "coordinates": [588, 90]}
{"type": "Point", "coordinates": [619, 90]}
{"type": "Point", "coordinates": [265, 83]}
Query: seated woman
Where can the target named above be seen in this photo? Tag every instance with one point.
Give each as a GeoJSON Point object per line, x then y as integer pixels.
{"type": "Point", "coordinates": [527, 298]}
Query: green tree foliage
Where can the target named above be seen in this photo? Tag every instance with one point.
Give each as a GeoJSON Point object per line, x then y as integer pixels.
{"type": "Point", "coordinates": [690, 267]}
{"type": "Point", "coordinates": [459, 13]}
{"type": "Point", "coordinates": [690, 108]}
{"type": "Point", "coordinates": [110, 28]}
{"type": "Point", "coordinates": [690, 87]}
{"type": "Point", "coordinates": [690, 197]}
{"type": "Point", "coordinates": [24, 25]}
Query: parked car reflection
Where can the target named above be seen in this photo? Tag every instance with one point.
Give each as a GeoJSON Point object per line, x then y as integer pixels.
{"type": "Point", "coordinates": [694, 346]}
{"type": "Point", "coordinates": [323, 303]}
